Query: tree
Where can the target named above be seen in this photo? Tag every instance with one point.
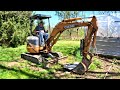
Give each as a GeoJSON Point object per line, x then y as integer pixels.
{"type": "Point", "coordinates": [66, 15]}
{"type": "Point", "coordinates": [14, 27]}
{"type": "Point", "coordinates": [108, 12]}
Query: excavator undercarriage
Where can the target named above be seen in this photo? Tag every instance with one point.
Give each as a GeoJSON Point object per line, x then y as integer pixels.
{"type": "Point", "coordinates": [44, 58]}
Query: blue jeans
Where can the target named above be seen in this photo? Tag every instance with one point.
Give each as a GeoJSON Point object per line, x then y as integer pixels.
{"type": "Point", "coordinates": [43, 38]}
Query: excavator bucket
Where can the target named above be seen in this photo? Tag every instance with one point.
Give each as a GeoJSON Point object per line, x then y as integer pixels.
{"type": "Point", "coordinates": [75, 68]}
{"type": "Point", "coordinates": [79, 68]}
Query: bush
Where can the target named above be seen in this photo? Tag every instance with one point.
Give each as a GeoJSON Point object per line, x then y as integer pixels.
{"type": "Point", "coordinates": [14, 27]}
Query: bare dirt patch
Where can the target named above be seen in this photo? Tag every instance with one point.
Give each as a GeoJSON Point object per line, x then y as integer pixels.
{"type": "Point", "coordinates": [108, 70]}
{"type": "Point", "coordinates": [10, 64]}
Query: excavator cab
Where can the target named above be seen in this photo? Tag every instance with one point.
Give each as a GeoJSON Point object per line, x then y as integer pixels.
{"type": "Point", "coordinates": [33, 42]}
{"type": "Point", "coordinates": [38, 17]}
{"type": "Point", "coordinates": [35, 53]}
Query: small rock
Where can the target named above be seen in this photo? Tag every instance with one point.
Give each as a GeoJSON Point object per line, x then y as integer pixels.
{"type": "Point", "coordinates": [67, 72]}
{"type": "Point", "coordinates": [76, 62]}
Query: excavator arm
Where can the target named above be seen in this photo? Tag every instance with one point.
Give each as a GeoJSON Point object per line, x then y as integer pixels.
{"type": "Point", "coordinates": [70, 23]}
{"type": "Point", "coordinates": [90, 39]}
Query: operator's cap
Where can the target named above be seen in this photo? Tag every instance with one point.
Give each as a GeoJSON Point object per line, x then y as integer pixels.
{"type": "Point", "coordinates": [41, 22]}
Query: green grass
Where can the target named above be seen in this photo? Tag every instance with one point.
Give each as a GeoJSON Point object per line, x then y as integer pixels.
{"type": "Point", "coordinates": [23, 69]}
{"type": "Point", "coordinates": [95, 64]}
{"type": "Point", "coordinates": [11, 54]}
{"type": "Point", "coordinates": [66, 47]}
{"type": "Point", "coordinates": [69, 48]}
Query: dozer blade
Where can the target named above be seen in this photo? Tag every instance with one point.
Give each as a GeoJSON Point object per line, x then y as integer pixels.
{"type": "Point", "coordinates": [33, 58]}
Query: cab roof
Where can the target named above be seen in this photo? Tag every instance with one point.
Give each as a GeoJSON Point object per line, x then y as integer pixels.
{"type": "Point", "coordinates": [40, 16]}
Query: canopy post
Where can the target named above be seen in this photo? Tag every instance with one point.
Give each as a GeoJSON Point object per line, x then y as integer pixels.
{"type": "Point", "coordinates": [31, 24]}
{"type": "Point", "coordinates": [49, 25]}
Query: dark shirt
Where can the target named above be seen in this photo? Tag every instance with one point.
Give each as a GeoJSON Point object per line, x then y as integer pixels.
{"type": "Point", "coordinates": [38, 28]}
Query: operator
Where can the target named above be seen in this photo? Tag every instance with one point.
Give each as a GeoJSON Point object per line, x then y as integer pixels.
{"type": "Point", "coordinates": [40, 31]}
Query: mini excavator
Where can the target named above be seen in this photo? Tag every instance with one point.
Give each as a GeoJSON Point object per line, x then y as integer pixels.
{"type": "Point", "coordinates": [38, 54]}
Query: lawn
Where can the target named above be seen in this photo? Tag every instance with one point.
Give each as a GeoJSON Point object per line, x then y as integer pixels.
{"type": "Point", "coordinates": [13, 67]}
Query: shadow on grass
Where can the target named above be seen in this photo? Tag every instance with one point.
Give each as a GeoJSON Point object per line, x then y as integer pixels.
{"type": "Point", "coordinates": [56, 74]}
{"type": "Point", "coordinates": [20, 71]}
{"type": "Point", "coordinates": [109, 56]}
{"type": "Point", "coordinates": [107, 60]}
{"type": "Point", "coordinates": [50, 72]}
{"type": "Point", "coordinates": [110, 73]}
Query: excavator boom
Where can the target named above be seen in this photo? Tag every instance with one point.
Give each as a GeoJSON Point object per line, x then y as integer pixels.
{"type": "Point", "coordinates": [71, 19]}
{"type": "Point", "coordinates": [90, 39]}
{"type": "Point", "coordinates": [65, 25]}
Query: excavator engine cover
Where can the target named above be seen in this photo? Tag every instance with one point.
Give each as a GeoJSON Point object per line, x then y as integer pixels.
{"type": "Point", "coordinates": [33, 44]}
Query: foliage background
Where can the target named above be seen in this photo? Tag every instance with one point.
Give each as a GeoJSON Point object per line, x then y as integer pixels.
{"type": "Point", "coordinates": [14, 27]}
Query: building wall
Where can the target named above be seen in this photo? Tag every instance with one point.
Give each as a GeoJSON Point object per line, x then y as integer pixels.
{"type": "Point", "coordinates": [108, 46]}
{"type": "Point", "coordinates": [108, 26]}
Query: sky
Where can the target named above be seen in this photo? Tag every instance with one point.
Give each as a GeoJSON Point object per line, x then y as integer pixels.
{"type": "Point", "coordinates": [54, 18]}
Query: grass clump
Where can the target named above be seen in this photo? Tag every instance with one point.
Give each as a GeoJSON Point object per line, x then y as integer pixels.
{"type": "Point", "coordinates": [95, 64]}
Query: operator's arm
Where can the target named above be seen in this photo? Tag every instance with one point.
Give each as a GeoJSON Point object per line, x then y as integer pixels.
{"type": "Point", "coordinates": [46, 31]}
{"type": "Point", "coordinates": [36, 30]}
